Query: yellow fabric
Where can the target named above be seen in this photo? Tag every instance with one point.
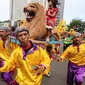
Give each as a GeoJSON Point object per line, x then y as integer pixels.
{"type": "Point", "coordinates": [8, 49]}
{"type": "Point", "coordinates": [83, 41]}
{"type": "Point", "coordinates": [62, 27]}
{"type": "Point", "coordinates": [74, 56]}
{"type": "Point", "coordinates": [71, 31]}
{"type": "Point", "coordinates": [48, 68]}
{"type": "Point", "coordinates": [1, 45]}
{"type": "Point", "coordinates": [26, 74]}
{"type": "Point", "coordinates": [23, 23]}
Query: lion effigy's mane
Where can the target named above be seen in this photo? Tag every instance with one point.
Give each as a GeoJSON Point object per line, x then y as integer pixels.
{"type": "Point", "coordinates": [36, 26]}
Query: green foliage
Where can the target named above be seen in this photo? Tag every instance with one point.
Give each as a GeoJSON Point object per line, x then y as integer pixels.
{"type": "Point", "coordinates": [77, 24]}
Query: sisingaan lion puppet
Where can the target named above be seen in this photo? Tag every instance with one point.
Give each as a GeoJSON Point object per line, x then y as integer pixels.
{"type": "Point", "coordinates": [35, 19]}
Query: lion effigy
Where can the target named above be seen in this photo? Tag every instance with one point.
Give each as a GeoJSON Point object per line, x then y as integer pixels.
{"type": "Point", "coordinates": [35, 19]}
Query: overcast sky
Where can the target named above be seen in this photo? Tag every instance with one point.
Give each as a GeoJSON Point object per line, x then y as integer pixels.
{"type": "Point", "coordinates": [73, 9]}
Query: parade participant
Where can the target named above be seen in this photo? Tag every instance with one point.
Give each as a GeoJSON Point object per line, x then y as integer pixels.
{"type": "Point", "coordinates": [54, 40]}
{"type": "Point", "coordinates": [12, 35]}
{"type": "Point", "coordinates": [83, 41]}
{"type": "Point", "coordinates": [76, 56]}
{"type": "Point", "coordinates": [12, 30]}
{"type": "Point", "coordinates": [51, 17]}
{"type": "Point", "coordinates": [6, 48]}
{"type": "Point", "coordinates": [30, 60]}
{"type": "Point", "coordinates": [52, 48]}
{"type": "Point", "coordinates": [67, 41]}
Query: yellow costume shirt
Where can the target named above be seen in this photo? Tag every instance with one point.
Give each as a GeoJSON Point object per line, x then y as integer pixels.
{"type": "Point", "coordinates": [8, 49]}
{"type": "Point", "coordinates": [26, 73]}
{"type": "Point", "coordinates": [78, 58]}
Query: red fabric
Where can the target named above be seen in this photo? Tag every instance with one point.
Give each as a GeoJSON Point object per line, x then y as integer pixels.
{"type": "Point", "coordinates": [51, 21]}
{"type": "Point", "coordinates": [13, 72]}
{"type": "Point", "coordinates": [52, 57]}
{"type": "Point", "coordinates": [58, 52]}
{"type": "Point", "coordinates": [58, 45]}
{"type": "Point", "coordinates": [26, 47]}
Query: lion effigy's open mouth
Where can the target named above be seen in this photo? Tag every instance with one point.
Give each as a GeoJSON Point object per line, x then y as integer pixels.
{"type": "Point", "coordinates": [29, 14]}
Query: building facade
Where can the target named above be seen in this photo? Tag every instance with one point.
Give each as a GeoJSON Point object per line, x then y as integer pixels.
{"type": "Point", "coordinates": [43, 2]}
{"type": "Point", "coordinates": [16, 9]}
{"type": "Point", "coordinates": [60, 10]}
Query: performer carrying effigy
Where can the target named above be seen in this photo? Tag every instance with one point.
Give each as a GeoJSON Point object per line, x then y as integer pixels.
{"type": "Point", "coordinates": [29, 60]}
{"type": "Point", "coordinates": [76, 56]}
{"type": "Point", "coordinates": [6, 48]}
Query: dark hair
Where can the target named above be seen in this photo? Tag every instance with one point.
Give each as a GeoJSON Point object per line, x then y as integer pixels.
{"type": "Point", "coordinates": [4, 28]}
{"type": "Point", "coordinates": [48, 49]}
{"type": "Point", "coordinates": [20, 29]}
{"type": "Point", "coordinates": [55, 2]}
{"type": "Point", "coordinates": [13, 28]}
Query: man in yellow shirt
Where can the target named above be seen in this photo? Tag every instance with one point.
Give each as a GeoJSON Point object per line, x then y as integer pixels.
{"type": "Point", "coordinates": [6, 48]}
{"type": "Point", "coordinates": [30, 60]}
{"type": "Point", "coordinates": [76, 56]}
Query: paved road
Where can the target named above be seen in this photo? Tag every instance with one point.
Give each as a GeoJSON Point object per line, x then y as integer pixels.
{"type": "Point", "coordinates": [58, 76]}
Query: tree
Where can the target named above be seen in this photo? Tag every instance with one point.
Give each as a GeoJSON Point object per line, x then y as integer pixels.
{"type": "Point", "coordinates": [0, 21]}
{"type": "Point", "coordinates": [77, 24]}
